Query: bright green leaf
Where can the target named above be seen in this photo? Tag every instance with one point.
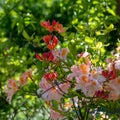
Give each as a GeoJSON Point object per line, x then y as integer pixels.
{"type": "Point", "coordinates": [88, 40]}
{"type": "Point", "coordinates": [25, 35]}
{"type": "Point", "coordinates": [99, 45]}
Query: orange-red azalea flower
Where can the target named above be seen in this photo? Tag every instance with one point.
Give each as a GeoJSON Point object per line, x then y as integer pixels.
{"type": "Point", "coordinates": [48, 56]}
{"type": "Point", "coordinates": [51, 41]}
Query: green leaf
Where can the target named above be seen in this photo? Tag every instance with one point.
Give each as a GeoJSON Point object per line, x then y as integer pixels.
{"type": "Point", "coordinates": [20, 28]}
{"type": "Point", "coordinates": [25, 35]}
{"type": "Point", "coordinates": [88, 40]}
{"type": "Point", "coordinates": [99, 45]}
{"type": "Point", "coordinates": [111, 11]}
{"type": "Point", "coordinates": [55, 104]}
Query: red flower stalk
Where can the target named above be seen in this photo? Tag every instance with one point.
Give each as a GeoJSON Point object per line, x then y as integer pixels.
{"type": "Point", "coordinates": [51, 41]}
{"type": "Point", "coordinates": [50, 76]}
{"type": "Point", "coordinates": [48, 56]}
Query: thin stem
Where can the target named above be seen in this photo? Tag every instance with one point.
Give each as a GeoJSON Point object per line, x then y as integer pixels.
{"type": "Point", "coordinates": [80, 110]}
{"type": "Point", "coordinates": [87, 113]}
{"type": "Point", "coordinates": [79, 118]}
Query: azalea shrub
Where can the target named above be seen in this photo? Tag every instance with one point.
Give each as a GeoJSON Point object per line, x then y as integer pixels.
{"type": "Point", "coordinates": [74, 84]}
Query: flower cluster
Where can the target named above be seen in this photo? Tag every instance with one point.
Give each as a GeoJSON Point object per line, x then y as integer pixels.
{"type": "Point", "coordinates": [97, 82]}
{"type": "Point", "coordinates": [112, 84]}
{"type": "Point", "coordinates": [82, 77]}
{"type": "Point", "coordinates": [53, 89]}
{"type": "Point", "coordinates": [55, 26]}
{"type": "Point", "coordinates": [69, 87]}
{"type": "Point", "coordinates": [12, 86]}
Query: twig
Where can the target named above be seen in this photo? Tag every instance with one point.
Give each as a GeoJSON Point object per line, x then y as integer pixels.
{"type": "Point", "coordinates": [76, 110]}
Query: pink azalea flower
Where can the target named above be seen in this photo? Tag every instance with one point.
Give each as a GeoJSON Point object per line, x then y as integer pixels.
{"type": "Point", "coordinates": [117, 64]}
{"type": "Point", "coordinates": [88, 82]}
{"type": "Point", "coordinates": [63, 53]}
{"type": "Point", "coordinates": [64, 87]}
{"type": "Point", "coordinates": [55, 115]}
{"type": "Point", "coordinates": [56, 93]}
{"type": "Point", "coordinates": [44, 85]}
{"type": "Point", "coordinates": [51, 92]}
{"type": "Point", "coordinates": [75, 71]}
{"type": "Point", "coordinates": [91, 88]}
{"type": "Point", "coordinates": [84, 68]}
{"type": "Point", "coordinates": [83, 54]}
{"type": "Point", "coordinates": [60, 54]}
{"type": "Point", "coordinates": [24, 77]}
{"type": "Point", "coordinates": [81, 82]}
{"type": "Point", "coordinates": [114, 88]}
{"type": "Point", "coordinates": [11, 89]}
{"type": "Point", "coordinates": [96, 74]}
{"type": "Point", "coordinates": [114, 94]}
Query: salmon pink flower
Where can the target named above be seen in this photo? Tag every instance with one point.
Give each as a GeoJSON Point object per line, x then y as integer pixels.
{"type": "Point", "coordinates": [48, 56]}
{"type": "Point", "coordinates": [91, 88]}
{"type": "Point", "coordinates": [75, 70]}
{"type": "Point", "coordinates": [51, 41]}
{"type": "Point", "coordinates": [114, 92]}
{"type": "Point", "coordinates": [60, 54]}
{"type": "Point", "coordinates": [63, 53]}
{"type": "Point", "coordinates": [64, 87]}
{"type": "Point", "coordinates": [53, 91]}
{"type": "Point", "coordinates": [11, 89]}
{"type": "Point", "coordinates": [113, 87]}
{"type": "Point", "coordinates": [84, 68]}
{"type": "Point", "coordinates": [49, 92]}
{"type": "Point", "coordinates": [117, 64]}
{"type": "Point", "coordinates": [56, 92]}
{"type": "Point", "coordinates": [81, 81]}
{"type": "Point", "coordinates": [44, 85]}
{"type": "Point", "coordinates": [96, 74]}
{"type": "Point", "coordinates": [83, 54]}
{"type": "Point", "coordinates": [24, 77]}
{"type": "Point", "coordinates": [12, 84]}
{"type": "Point", "coordinates": [53, 94]}
{"type": "Point", "coordinates": [56, 115]}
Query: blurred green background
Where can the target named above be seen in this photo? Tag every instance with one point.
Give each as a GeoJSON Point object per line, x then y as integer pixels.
{"type": "Point", "coordinates": [92, 25]}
